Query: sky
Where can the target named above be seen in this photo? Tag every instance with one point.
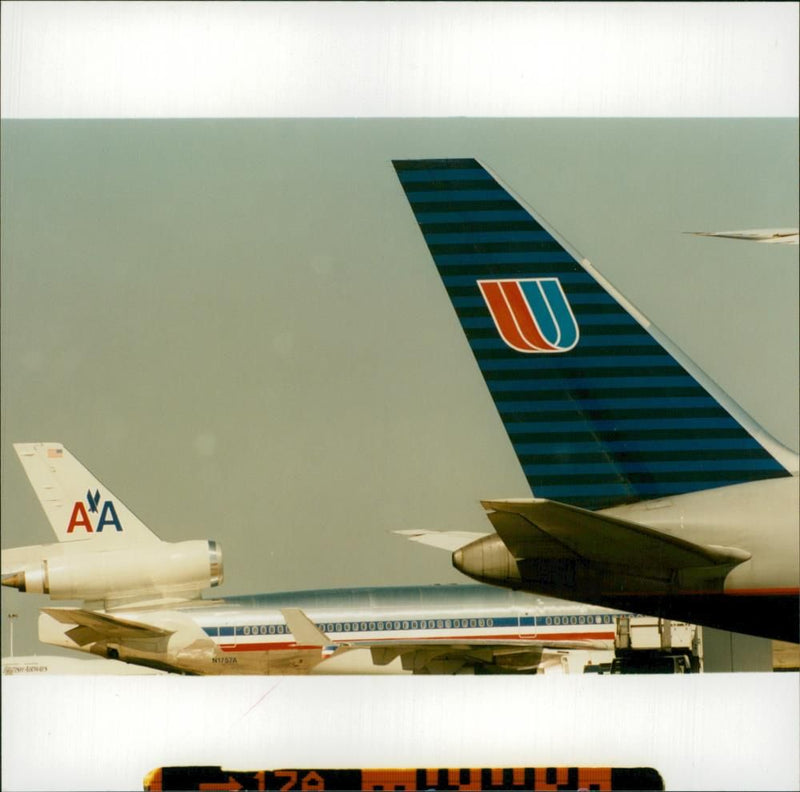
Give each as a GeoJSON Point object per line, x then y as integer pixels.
{"type": "Point", "coordinates": [236, 325]}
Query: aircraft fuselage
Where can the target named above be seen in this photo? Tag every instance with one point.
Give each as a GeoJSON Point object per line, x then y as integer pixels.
{"type": "Point", "coordinates": [249, 635]}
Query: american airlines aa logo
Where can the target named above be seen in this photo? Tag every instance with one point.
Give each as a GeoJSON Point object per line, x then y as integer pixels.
{"type": "Point", "coordinates": [531, 314]}
{"type": "Point", "coordinates": [80, 516]}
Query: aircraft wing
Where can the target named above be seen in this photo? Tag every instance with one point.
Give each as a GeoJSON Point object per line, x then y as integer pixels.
{"type": "Point", "coordinates": [91, 626]}
{"type": "Point", "coordinates": [443, 658]}
{"type": "Point", "coordinates": [542, 528]}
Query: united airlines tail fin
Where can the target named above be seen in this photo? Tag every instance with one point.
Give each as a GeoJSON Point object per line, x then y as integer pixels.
{"type": "Point", "coordinates": [77, 505]}
{"type": "Point", "coordinates": [601, 408]}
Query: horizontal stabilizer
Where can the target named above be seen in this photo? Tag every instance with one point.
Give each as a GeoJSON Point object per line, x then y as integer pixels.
{"type": "Point", "coordinates": [600, 539]}
{"type": "Point", "coordinates": [444, 540]}
{"type": "Point", "coordinates": [780, 236]}
{"type": "Point", "coordinates": [91, 626]}
{"type": "Point", "coordinates": [305, 632]}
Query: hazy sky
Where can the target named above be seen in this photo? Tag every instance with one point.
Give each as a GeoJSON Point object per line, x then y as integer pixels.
{"type": "Point", "coordinates": [237, 327]}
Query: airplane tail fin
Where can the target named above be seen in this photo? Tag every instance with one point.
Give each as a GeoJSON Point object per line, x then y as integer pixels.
{"type": "Point", "coordinates": [601, 407]}
{"type": "Point", "coordinates": [77, 505]}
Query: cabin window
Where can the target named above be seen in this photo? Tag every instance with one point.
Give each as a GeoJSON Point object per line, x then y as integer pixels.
{"type": "Point", "coordinates": [490, 622]}
{"type": "Point", "coordinates": [372, 625]}
{"type": "Point", "coordinates": [413, 625]}
{"type": "Point", "coordinates": [582, 620]}
{"type": "Point", "coordinates": [405, 625]}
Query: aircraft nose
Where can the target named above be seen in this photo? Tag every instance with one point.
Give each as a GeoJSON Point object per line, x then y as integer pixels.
{"type": "Point", "coordinates": [458, 559]}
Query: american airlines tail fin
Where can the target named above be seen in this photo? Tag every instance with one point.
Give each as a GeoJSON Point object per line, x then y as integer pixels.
{"type": "Point", "coordinates": [118, 560]}
{"type": "Point", "coordinates": [77, 505]}
{"type": "Point", "coordinates": [601, 408]}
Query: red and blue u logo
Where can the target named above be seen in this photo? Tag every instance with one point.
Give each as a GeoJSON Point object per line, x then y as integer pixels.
{"type": "Point", "coordinates": [531, 314]}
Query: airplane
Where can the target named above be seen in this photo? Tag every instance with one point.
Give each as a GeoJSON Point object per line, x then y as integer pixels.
{"type": "Point", "coordinates": [769, 236]}
{"type": "Point", "coordinates": [143, 603]}
{"type": "Point", "coordinates": [654, 492]}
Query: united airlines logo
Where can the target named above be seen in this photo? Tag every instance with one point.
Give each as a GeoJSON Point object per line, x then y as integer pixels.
{"type": "Point", "coordinates": [531, 314]}
{"type": "Point", "coordinates": [106, 514]}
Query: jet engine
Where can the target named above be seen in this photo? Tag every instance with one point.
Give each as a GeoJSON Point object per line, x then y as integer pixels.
{"type": "Point", "coordinates": [487, 559]}
{"type": "Point", "coordinates": [161, 569]}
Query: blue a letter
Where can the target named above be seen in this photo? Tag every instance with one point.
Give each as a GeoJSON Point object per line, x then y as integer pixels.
{"type": "Point", "coordinates": [108, 517]}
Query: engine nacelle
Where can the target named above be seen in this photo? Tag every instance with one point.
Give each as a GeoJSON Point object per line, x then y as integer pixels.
{"type": "Point", "coordinates": [487, 559]}
{"type": "Point", "coordinates": [161, 569]}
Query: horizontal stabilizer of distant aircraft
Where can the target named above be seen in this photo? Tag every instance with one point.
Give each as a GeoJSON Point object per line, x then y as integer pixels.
{"type": "Point", "coordinates": [770, 236]}
{"type": "Point", "coordinates": [444, 540]}
{"type": "Point", "coordinates": [654, 492]}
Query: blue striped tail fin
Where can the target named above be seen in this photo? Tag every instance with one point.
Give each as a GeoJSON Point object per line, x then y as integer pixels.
{"type": "Point", "coordinates": [600, 408]}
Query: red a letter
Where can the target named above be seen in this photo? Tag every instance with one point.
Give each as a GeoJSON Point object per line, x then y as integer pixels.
{"type": "Point", "coordinates": [79, 517]}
